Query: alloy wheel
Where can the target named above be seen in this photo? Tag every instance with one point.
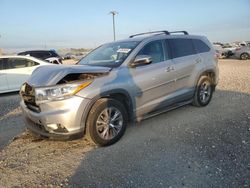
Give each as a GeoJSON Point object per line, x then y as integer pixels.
{"type": "Point", "coordinates": [205, 91]}
{"type": "Point", "coordinates": [109, 123]}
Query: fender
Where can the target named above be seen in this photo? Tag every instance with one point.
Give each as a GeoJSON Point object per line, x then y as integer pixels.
{"type": "Point", "coordinates": [131, 104]}
{"type": "Point", "coordinates": [203, 72]}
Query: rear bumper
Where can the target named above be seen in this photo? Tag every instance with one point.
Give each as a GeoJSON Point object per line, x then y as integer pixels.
{"type": "Point", "coordinates": [66, 114]}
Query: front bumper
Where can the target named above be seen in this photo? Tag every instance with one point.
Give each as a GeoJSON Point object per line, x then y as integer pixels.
{"type": "Point", "coordinates": [67, 114]}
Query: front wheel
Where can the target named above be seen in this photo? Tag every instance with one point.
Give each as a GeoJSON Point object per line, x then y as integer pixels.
{"type": "Point", "coordinates": [204, 91]}
{"type": "Point", "coordinates": [107, 121]}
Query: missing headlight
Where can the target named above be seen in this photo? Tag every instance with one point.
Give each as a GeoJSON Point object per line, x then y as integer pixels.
{"type": "Point", "coordinates": [79, 77]}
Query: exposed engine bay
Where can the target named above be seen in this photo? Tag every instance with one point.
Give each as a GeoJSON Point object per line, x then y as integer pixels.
{"type": "Point", "coordinates": [79, 77]}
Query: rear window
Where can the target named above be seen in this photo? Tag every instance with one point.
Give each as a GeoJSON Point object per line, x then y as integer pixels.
{"type": "Point", "coordinates": [200, 46]}
{"type": "Point", "coordinates": [53, 54]}
{"type": "Point", "coordinates": [23, 53]}
{"type": "Point", "coordinates": [181, 47]}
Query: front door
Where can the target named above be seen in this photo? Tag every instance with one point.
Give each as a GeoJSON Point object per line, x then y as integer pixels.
{"type": "Point", "coordinates": [154, 82]}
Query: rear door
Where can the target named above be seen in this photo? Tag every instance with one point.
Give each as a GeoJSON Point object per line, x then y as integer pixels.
{"type": "Point", "coordinates": [185, 61]}
{"type": "Point", "coordinates": [3, 78]}
{"type": "Point", "coordinates": [19, 69]}
{"type": "Point", "coordinates": [203, 50]}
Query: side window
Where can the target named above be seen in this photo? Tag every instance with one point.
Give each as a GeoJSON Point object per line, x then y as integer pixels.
{"type": "Point", "coordinates": [37, 55]}
{"type": "Point", "coordinates": [15, 63]}
{"type": "Point", "coordinates": [200, 46]}
{"type": "Point", "coordinates": [31, 63]}
{"type": "Point", "coordinates": [40, 55]}
{"type": "Point", "coordinates": [153, 49]}
{"type": "Point", "coordinates": [1, 64]}
{"type": "Point", "coordinates": [181, 47]}
{"type": "Point", "coordinates": [46, 55]}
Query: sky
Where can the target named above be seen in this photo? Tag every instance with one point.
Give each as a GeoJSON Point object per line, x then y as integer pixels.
{"type": "Point", "coordinates": [54, 24]}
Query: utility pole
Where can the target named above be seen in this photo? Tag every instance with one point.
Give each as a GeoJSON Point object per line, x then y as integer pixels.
{"type": "Point", "coordinates": [113, 15]}
{"type": "Point", "coordinates": [1, 52]}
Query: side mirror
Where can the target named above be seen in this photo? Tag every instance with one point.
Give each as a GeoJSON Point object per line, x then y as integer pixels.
{"type": "Point", "coordinates": [141, 60]}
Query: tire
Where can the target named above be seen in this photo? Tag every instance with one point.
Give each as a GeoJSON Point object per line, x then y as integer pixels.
{"type": "Point", "coordinates": [101, 129]}
{"type": "Point", "coordinates": [226, 54]}
{"type": "Point", "coordinates": [244, 56]}
{"type": "Point", "coordinates": [204, 91]}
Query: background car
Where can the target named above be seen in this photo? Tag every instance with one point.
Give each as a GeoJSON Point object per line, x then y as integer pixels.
{"type": "Point", "coordinates": [48, 55]}
{"type": "Point", "coordinates": [228, 49]}
{"type": "Point", "coordinates": [242, 53]}
{"type": "Point", "coordinates": [220, 51]}
{"type": "Point", "coordinates": [69, 56]}
{"type": "Point", "coordinates": [15, 70]}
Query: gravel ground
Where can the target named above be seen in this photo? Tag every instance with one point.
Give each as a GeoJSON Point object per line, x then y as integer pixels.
{"type": "Point", "coordinates": [186, 147]}
{"type": "Point", "coordinates": [10, 118]}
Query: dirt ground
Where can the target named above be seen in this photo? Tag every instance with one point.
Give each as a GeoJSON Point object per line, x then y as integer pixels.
{"type": "Point", "coordinates": [186, 147]}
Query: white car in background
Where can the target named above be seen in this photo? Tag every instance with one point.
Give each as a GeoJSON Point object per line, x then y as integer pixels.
{"type": "Point", "coordinates": [243, 53]}
{"type": "Point", "coordinates": [15, 70]}
{"type": "Point", "coordinates": [221, 52]}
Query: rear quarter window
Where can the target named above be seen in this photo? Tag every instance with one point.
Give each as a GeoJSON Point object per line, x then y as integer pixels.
{"type": "Point", "coordinates": [53, 54]}
{"type": "Point", "coordinates": [200, 46]}
{"type": "Point", "coordinates": [181, 47]}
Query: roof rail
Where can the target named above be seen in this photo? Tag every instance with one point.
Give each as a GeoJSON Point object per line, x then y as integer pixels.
{"type": "Point", "coordinates": [165, 32]}
{"type": "Point", "coordinates": [184, 32]}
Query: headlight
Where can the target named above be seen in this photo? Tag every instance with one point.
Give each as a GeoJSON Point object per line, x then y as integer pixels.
{"type": "Point", "coordinates": [58, 92]}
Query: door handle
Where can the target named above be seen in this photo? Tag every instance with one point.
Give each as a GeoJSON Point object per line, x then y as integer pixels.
{"type": "Point", "coordinates": [198, 60]}
{"type": "Point", "coordinates": [169, 68]}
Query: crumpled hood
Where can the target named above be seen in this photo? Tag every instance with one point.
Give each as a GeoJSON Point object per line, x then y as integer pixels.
{"type": "Point", "coordinates": [51, 74]}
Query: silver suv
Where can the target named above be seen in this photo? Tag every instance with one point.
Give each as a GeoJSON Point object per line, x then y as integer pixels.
{"type": "Point", "coordinates": [120, 82]}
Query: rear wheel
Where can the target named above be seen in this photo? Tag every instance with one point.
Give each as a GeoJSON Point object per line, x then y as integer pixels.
{"type": "Point", "coordinates": [244, 56]}
{"type": "Point", "coordinates": [204, 91]}
{"type": "Point", "coordinates": [106, 122]}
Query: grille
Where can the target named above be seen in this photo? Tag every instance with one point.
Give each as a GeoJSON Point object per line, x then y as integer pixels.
{"type": "Point", "coordinates": [28, 94]}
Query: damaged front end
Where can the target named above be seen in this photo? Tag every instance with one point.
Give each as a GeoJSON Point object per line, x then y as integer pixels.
{"type": "Point", "coordinates": [52, 83]}
{"type": "Point", "coordinates": [66, 87]}
{"type": "Point", "coordinates": [52, 75]}
{"type": "Point", "coordinates": [49, 101]}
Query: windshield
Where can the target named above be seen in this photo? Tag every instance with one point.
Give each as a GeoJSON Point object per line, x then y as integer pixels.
{"type": "Point", "coordinates": [109, 55]}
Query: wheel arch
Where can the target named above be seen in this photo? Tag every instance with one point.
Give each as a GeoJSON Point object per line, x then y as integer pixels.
{"type": "Point", "coordinates": [120, 95]}
{"type": "Point", "coordinates": [211, 73]}
{"type": "Point", "coordinates": [244, 53]}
